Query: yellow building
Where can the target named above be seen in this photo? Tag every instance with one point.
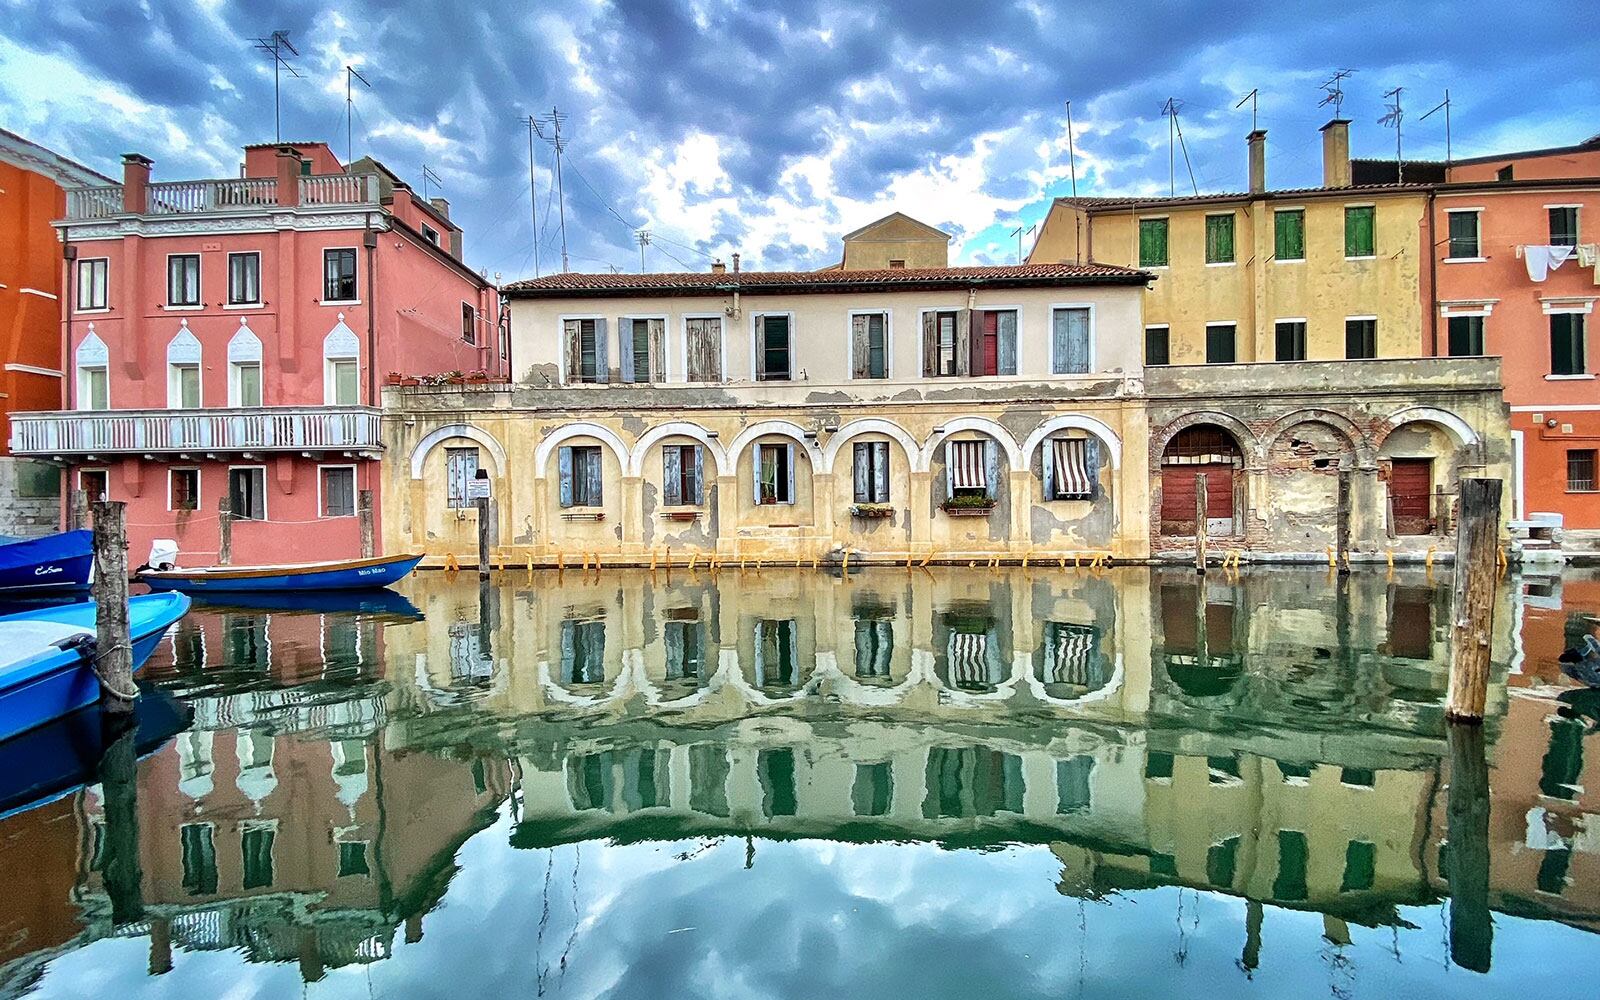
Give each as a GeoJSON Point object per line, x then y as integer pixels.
{"type": "Point", "coordinates": [894, 241]}
{"type": "Point", "coordinates": [1316, 274]}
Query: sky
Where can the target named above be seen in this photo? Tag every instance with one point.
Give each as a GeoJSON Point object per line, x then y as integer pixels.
{"type": "Point", "coordinates": [773, 128]}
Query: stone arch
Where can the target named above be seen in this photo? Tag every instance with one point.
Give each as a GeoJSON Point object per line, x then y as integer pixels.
{"type": "Point", "coordinates": [439, 435]}
{"type": "Point", "coordinates": [1458, 429]}
{"type": "Point", "coordinates": [676, 428]}
{"type": "Point", "coordinates": [92, 351]}
{"type": "Point", "coordinates": [1015, 459]}
{"type": "Point", "coordinates": [341, 342]}
{"type": "Point", "coordinates": [1360, 447]}
{"type": "Point", "coordinates": [1243, 436]}
{"type": "Point", "coordinates": [781, 428]}
{"type": "Point", "coordinates": [874, 425]}
{"type": "Point", "coordinates": [245, 345]}
{"type": "Point", "coordinates": [604, 435]}
{"type": "Point", "coordinates": [1076, 421]}
{"type": "Point", "coordinates": [184, 347]}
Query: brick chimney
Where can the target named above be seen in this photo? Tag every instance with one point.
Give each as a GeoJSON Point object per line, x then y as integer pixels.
{"type": "Point", "coordinates": [442, 205]}
{"type": "Point", "coordinates": [136, 182]}
{"type": "Point", "coordinates": [1257, 141]}
{"type": "Point", "coordinates": [735, 263]}
{"type": "Point", "coordinates": [288, 176]}
{"type": "Point", "coordinates": [1336, 153]}
{"type": "Point", "coordinates": [718, 267]}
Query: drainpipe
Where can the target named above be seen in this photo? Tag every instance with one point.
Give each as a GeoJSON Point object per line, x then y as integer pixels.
{"type": "Point", "coordinates": [1433, 281]}
{"type": "Point", "coordinates": [69, 254]}
{"type": "Point", "coordinates": [369, 239]}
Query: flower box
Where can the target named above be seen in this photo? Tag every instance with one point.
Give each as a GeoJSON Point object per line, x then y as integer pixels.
{"type": "Point", "coordinates": [969, 508]}
{"type": "Point", "coordinates": [680, 515]}
{"type": "Point", "coordinates": [871, 511]}
{"type": "Point", "coordinates": [584, 515]}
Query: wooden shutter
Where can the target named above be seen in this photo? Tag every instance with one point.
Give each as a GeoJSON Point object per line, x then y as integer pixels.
{"type": "Point", "coordinates": [789, 482]}
{"type": "Point", "coordinates": [569, 648]}
{"type": "Point", "coordinates": [963, 341]}
{"type": "Point", "coordinates": [930, 344]}
{"type": "Point", "coordinates": [755, 469]}
{"type": "Point", "coordinates": [860, 472]}
{"type": "Point", "coordinates": [977, 326]}
{"type": "Point", "coordinates": [991, 467]}
{"type": "Point", "coordinates": [574, 339]}
{"type": "Point", "coordinates": [624, 349]}
{"type": "Point", "coordinates": [564, 473]}
{"type": "Point", "coordinates": [880, 471]}
{"type": "Point", "coordinates": [1091, 464]}
{"type": "Point", "coordinates": [860, 348]}
{"type": "Point", "coordinates": [671, 475]}
{"type": "Point", "coordinates": [656, 334]}
{"type": "Point", "coordinates": [699, 475]}
{"type": "Point", "coordinates": [602, 367]}
{"type": "Point", "coordinates": [1071, 336]}
{"type": "Point", "coordinates": [592, 477]}
{"type": "Point", "coordinates": [761, 346]}
{"type": "Point", "coordinates": [1049, 458]}
{"type": "Point", "coordinates": [1006, 336]}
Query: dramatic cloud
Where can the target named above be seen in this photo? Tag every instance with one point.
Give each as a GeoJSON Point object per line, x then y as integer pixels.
{"type": "Point", "coordinates": [773, 128]}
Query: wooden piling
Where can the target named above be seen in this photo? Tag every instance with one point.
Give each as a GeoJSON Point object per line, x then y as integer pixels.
{"type": "Point", "coordinates": [77, 510]}
{"type": "Point", "coordinates": [1341, 529]}
{"type": "Point", "coordinates": [1200, 508]}
{"type": "Point", "coordinates": [1467, 862]}
{"type": "Point", "coordinates": [224, 531]}
{"type": "Point", "coordinates": [482, 503]}
{"type": "Point", "coordinates": [1472, 629]}
{"type": "Point", "coordinates": [364, 514]}
{"type": "Point", "coordinates": [120, 870]}
{"type": "Point", "coordinates": [113, 646]}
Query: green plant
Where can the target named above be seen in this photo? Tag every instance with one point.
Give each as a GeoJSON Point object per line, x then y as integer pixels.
{"type": "Point", "coordinates": [970, 501]}
{"type": "Point", "coordinates": [871, 510]}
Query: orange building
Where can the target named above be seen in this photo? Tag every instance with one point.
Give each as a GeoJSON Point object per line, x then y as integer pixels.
{"type": "Point", "coordinates": [32, 183]}
{"type": "Point", "coordinates": [1516, 264]}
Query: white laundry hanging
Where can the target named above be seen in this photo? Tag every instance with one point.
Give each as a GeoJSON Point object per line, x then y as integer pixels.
{"type": "Point", "coordinates": [1541, 260]}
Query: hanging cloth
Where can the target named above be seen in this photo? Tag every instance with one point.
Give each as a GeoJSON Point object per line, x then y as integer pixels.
{"type": "Point", "coordinates": [967, 465]}
{"type": "Point", "coordinates": [1541, 260]}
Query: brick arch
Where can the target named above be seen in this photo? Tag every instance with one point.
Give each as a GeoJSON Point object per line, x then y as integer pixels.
{"type": "Point", "coordinates": [1458, 429]}
{"type": "Point", "coordinates": [1361, 448]}
{"type": "Point", "coordinates": [1249, 445]}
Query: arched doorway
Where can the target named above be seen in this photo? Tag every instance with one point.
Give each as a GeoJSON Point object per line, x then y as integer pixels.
{"type": "Point", "coordinates": [1202, 450]}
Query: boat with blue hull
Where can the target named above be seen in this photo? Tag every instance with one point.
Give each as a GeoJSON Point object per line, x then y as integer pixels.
{"type": "Point", "coordinates": [344, 574]}
{"type": "Point", "coordinates": [54, 564]}
{"type": "Point", "coordinates": [45, 657]}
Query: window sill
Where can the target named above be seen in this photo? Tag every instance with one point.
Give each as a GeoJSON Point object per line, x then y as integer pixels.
{"type": "Point", "coordinates": [243, 305]}
{"type": "Point", "coordinates": [1465, 260]}
{"type": "Point", "coordinates": [1569, 378]}
{"type": "Point", "coordinates": [341, 302]}
{"type": "Point", "coordinates": [337, 517]}
{"type": "Point", "coordinates": [583, 515]}
{"type": "Point", "coordinates": [1288, 260]}
{"type": "Point", "coordinates": [1154, 267]}
{"type": "Point", "coordinates": [1365, 256]}
{"type": "Point", "coordinates": [97, 311]}
{"type": "Point", "coordinates": [1582, 492]}
{"type": "Point", "coordinates": [193, 308]}
{"type": "Point", "coordinates": [1222, 263]}
{"type": "Point", "coordinates": [681, 514]}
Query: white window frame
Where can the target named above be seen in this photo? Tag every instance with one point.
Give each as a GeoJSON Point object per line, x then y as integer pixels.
{"type": "Point", "coordinates": [1288, 319]}
{"type": "Point", "coordinates": [1144, 344]}
{"type": "Point", "coordinates": [1305, 242]}
{"type": "Point", "coordinates": [755, 345]}
{"type": "Point", "coordinates": [199, 480]}
{"type": "Point", "coordinates": [175, 386]}
{"type": "Point", "coordinates": [330, 387]}
{"type": "Point", "coordinates": [1205, 346]}
{"type": "Point", "coordinates": [1480, 258]}
{"type": "Point", "coordinates": [1374, 206]}
{"type": "Point", "coordinates": [567, 378]}
{"type": "Point", "coordinates": [105, 290]}
{"type": "Point", "coordinates": [888, 344]}
{"type": "Point", "coordinates": [1577, 207]}
{"type": "Point", "coordinates": [1094, 328]}
{"type": "Point", "coordinates": [83, 387]}
{"type": "Point", "coordinates": [922, 313]}
{"type": "Point", "coordinates": [1376, 353]}
{"type": "Point", "coordinates": [266, 507]}
{"type": "Point", "coordinates": [235, 392]}
{"type": "Point", "coordinates": [100, 469]}
{"type": "Point", "coordinates": [1230, 214]}
{"type": "Point", "coordinates": [666, 351]}
{"type": "Point", "coordinates": [322, 278]}
{"type": "Point", "coordinates": [465, 305]}
{"type": "Point", "coordinates": [979, 307]}
{"type": "Point", "coordinates": [199, 282]}
{"type": "Point", "coordinates": [683, 341]}
{"type": "Point", "coordinates": [228, 291]}
{"type": "Point", "coordinates": [355, 493]}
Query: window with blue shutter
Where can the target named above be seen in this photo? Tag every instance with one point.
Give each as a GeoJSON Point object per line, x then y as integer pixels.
{"type": "Point", "coordinates": [1070, 335]}
{"type": "Point", "coordinates": [870, 471]}
{"type": "Point", "coordinates": [681, 473]}
{"type": "Point", "coordinates": [774, 473]}
{"type": "Point", "coordinates": [581, 473]}
{"type": "Point", "coordinates": [461, 467]}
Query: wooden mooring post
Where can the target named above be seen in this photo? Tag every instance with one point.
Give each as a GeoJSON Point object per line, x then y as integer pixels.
{"type": "Point", "coordinates": [1341, 530]}
{"type": "Point", "coordinates": [1472, 627]}
{"type": "Point", "coordinates": [77, 510]}
{"type": "Point", "coordinates": [1467, 862]}
{"type": "Point", "coordinates": [364, 514]}
{"type": "Point", "coordinates": [1201, 506]}
{"type": "Point", "coordinates": [482, 503]}
{"type": "Point", "coordinates": [121, 871]}
{"type": "Point", "coordinates": [224, 531]}
{"type": "Point", "coordinates": [113, 645]}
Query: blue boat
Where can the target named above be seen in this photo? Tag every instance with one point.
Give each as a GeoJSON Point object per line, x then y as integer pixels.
{"type": "Point", "coordinates": [343, 574]}
{"type": "Point", "coordinates": [45, 671]}
{"type": "Point", "coordinates": [52, 564]}
{"type": "Point", "coordinates": [383, 605]}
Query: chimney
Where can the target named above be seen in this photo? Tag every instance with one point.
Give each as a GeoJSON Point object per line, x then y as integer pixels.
{"type": "Point", "coordinates": [1258, 160]}
{"type": "Point", "coordinates": [288, 176]}
{"type": "Point", "coordinates": [136, 182]}
{"type": "Point", "coordinates": [1336, 153]}
{"type": "Point", "coordinates": [718, 267]}
{"type": "Point", "coordinates": [735, 263]}
{"type": "Point", "coordinates": [442, 204]}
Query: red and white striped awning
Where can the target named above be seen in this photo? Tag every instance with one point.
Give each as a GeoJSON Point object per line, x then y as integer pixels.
{"type": "Point", "coordinates": [967, 465]}
{"type": "Point", "coordinates": [1073, 478]}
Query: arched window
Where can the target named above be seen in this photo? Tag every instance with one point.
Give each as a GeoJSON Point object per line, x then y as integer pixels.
{"type": "Point", "coordinates": [91, 360]}
{"type": "Point", "coordinates": [244, 368]}
{"type": "Point", "coordinates": [341, 361]}
{"type": "Point", "coordinates": [183, 370]}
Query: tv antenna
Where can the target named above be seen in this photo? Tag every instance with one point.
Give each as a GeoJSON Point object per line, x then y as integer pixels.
{"type": "Point", "coordinates": [1445, 104]}
{"type": "Point", "coordinates": [1334, 86]}
{"type": "Point", "coordinates": [1392, 119]}
{"type": "Point", "coordinates": [1175, 132]}
{"type": "Point", "coordinates": [548, 128]}
{"type": "Point", "coordinates": [1072, 154]}
{"type": "Point", "coordinates": [275, 45]}
{"type": "Point", "coordinates": [1251, 97]}
{"type": "Point", "coordinates": [1019, 232]}
{"type": "Point", "coordinates": [351, 74]}
{"type": "Point", "coordinates": [429, 175]}
{"type": "Point", "coordinates": [533, 189]}
{"type": "Point", "coordinates": [642, 237]}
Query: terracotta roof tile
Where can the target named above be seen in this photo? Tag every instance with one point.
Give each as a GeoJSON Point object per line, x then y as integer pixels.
{"type": "Point", "coordinates": [1124, 201]}
{"type": "Point", "coordinates": [691, 282]}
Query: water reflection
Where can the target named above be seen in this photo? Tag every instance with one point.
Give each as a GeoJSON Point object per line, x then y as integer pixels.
{"type": "Point", "coordinates": [1149, 744]}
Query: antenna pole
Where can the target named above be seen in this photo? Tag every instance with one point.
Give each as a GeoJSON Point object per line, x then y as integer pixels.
{"type": "Point", "coordinates": [273, 45]}
{"type": "Point", "coordinates": [1445, 104]}
{"type": "Point", "coordinates": [1251, 97]}
{"type": "Point", "coordinates": [554, 121]}
{"type": "Point", "coordinates": [1172, 148]}
{"type": "Point", "coordinates": [1393, 118]}
{"type": "Point", "coordinates": [1072, 153]}
{"type": "Point", "coordinates": [643, 239]}
{"type": "Point", "coordinates": [533, 195]}
{"type": "Point", "coordinates": [350, 74]}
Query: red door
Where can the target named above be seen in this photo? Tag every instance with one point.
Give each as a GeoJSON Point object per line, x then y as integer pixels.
{"type": "Point", "coordinates": [991, 343]}
{"type": "Point", "coordinates": [1411, 495]}
{"type": "Point", "coordinates": [1178, 490]}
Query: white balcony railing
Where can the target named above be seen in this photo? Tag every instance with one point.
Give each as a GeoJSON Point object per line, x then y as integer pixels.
{"type": "Point", "coordinates": [94, 202]}
{"type": "Point", "coordinates": [264, 428]}
{"type": "Point", "coordinates": [183, 197]}
{"type": "Point", "coordinates": [225, 195]}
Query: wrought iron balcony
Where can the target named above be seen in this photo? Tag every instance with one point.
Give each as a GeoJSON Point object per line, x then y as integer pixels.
{"type": "Point", "coordinates": [64, 433]}
{"type": "Point", "coordinates": [228, 195]}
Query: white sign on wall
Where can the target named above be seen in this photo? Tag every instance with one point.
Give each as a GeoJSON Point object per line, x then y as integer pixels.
{"type": "Point", "coordinates": [477, 489]}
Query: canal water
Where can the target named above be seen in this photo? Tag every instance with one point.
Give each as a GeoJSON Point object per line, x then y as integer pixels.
{"type": "Point", "coordinates": [940, 783]}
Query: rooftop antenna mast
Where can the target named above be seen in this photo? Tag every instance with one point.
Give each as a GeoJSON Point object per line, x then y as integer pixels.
{"type": "Point", "coordinates": [1392, 119]}
{"type": "Point", "coordinates": [1251, 97]}
{"type": "Point", "coordinates": [548, 128]}
{"type": "Point", "coordinates": [1019, 232]}
{"type": "Point", "coordinates": [533, 189]}
{"type": "Point", "coordinates": [643, 239]}
{"type": "Point", "coordinates": [275, 45]}
{"type": "Point", "coordinates": [1174, 130]}
{"type": "Point", "coordinates": [1445, 104]}
{"type": "Point", "coordinates": [351, 74]}
{"type": "Point", "coordinates": [1072, 153]}
{"type": "Point", "coordinates": [1334, 85]}
{"type": "Point", "coordinates": [429, 175]}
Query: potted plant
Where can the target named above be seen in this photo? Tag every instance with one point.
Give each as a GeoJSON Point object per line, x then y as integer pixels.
{"type": "Point", "coordinates": [871, 511]}
{"type": "Point", "coordinates": [969, 505]}
{"type": "Point", "coordinates": [477, 378]}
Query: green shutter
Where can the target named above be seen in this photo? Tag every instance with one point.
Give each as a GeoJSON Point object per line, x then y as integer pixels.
{"type": "Point", "coordinates": [1219, 239]}
{"type": "Point", "coordinates": [1359, 236]}
{"type": "Point", "coordinates": [1290, 235]}
{"type": "Point", "coordinates": [1152, 242]}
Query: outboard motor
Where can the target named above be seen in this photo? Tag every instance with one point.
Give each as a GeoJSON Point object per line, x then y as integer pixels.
{"type": "Point", "coordinates": [163, 555]}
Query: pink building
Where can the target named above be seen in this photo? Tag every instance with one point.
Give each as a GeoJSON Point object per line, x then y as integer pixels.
{"type": "Point", "coordinates": [225, 340]}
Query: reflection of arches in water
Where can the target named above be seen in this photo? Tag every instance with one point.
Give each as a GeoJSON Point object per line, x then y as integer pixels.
{"type": "Point", "coordinates": [1198, 642]}
{"type": "Point", "coordinates": [683, 640]}
{"type": "Point", "coordinates": [972, 781]}
{"type": "Point", "coordinates": [777, 654]}
{"type": "Point", "coordinates": [971, 657]}
{"type": "Point", "coordinates": [1206, 677]}
{"type": "Point", "coordinates": [583, 652]}
{"type": "Point", "coordinates": [1072, 662]}
{"type": "Point", "coordinates": [619, 781]}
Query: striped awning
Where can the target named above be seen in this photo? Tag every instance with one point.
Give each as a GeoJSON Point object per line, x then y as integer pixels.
{"type": "Point", "coordinates": [967, 465]}
{"type": "Point", "coordinates": [1071, 658]}
{"type": "Point", "coordinates": [1072, 467]}
{"type": "Point", "coordinates": [969, 659]}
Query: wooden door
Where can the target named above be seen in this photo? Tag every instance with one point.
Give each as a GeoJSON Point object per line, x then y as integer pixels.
{"type": "Point", "coordinates": [1411, 495]}
{"type": "Point", "coordinates": [1178, 490]}
{"type": "Point", "coordinates": [991, 343]}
